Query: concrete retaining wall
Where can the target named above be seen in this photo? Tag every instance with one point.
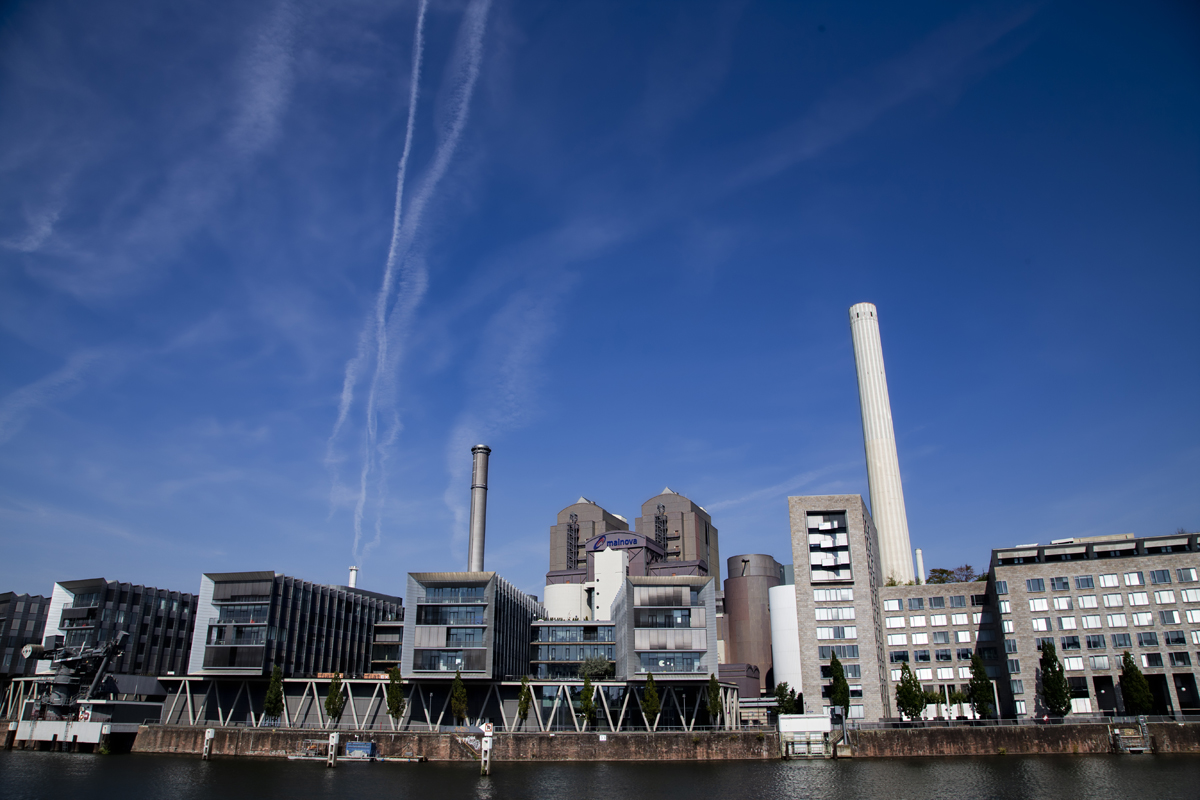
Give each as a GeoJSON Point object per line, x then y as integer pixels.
{"type": "Point", "coordinates": [444, 747]}
{"type": "Point", "coordinates": [1023, 740]}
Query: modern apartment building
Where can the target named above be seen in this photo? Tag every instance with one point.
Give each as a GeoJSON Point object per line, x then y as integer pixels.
{"type": "Point", "coordinates": [473, 622]}
{"type": "Point", "coordinates": [160, 623]}
{"type": "Point", "coordinates": [1095, 599]}
{"type": "Point", "coordinates": [666, 624]}
{"type": "Point", "coordinates": [252, 621]}
{"type": "Point", "coordinates": [22, 622]}
{"type": "Point", "coordinates": [559, 649]}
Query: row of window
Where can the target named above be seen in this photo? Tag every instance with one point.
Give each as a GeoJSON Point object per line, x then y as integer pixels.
{"type": "Point", "coordinates": [942, 673]}
{"type": "Point", "coordinates": [1114, 600]}
{"type": "Point", "coordinates": [918, 603]}
{"type": "Point", "coordinates": [1120, 640]}
{"type": "Point", "coordinates": [919, 656]}
{"type": "Point", "coordinates": [1140, 619]}
{"type": "Point", "coordinates": [939, 637]}
{"type": "Point", "coordinates": [1111, 580]}
{"type": "Point", "coordinates": [938, 620]}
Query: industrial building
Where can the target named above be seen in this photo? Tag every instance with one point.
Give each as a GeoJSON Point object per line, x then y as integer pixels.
{"type": "Point", "coordinates": [255, 621]}
{"type": "Point", "coordinates": [747, 614]}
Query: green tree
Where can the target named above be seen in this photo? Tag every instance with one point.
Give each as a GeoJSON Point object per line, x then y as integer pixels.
{"type": "Point", "coordinates": [458, 698]}
{"type": "Point", "coordinates": [273, 702]}
{"type": "Point", "coordinates": [1056, 692]}
{"type": "Point", "coordinates": [650, 702]}
{"type": "Point", "coordinates": [587, 701]}
{"type": "Point", "coordinates": [395, 695]}
{"type": "Point", "coordinates": [839, 689]}
{"type": "Point", "coordinates": [934, 698]}
{"type": "Point", "coordinates": [595, 667]}
{"type": "Point", "coordinates": [980, 688]}
{"type": "Point", "coordinates": [958, 698]}
{"type": "Point", "coordinates": [335, 701]}
{"type": "Point", "coordinates": [524, 700]}
{"type": "Point", "coordinates": [962, 574]}
{"type": "Point", "coordinates": [785, 699]}
{"type": "Point", "coordinates": [910, 697]}
{"type": "Point", "coordinates": [714, 699]}
{"type": "Point", "coordinates": [1135, 691]}
{"type": "Point", "coordinates": [940, 576]}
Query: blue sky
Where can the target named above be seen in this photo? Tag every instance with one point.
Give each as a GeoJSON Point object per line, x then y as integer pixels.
{"type": "Point", "coordinates": [623, 253]}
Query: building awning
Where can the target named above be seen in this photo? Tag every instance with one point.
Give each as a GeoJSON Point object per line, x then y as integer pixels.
{"type": "Point", "coordinates": [1017, 554]}
{"type": "Point", "coordinates": [1064, 551]}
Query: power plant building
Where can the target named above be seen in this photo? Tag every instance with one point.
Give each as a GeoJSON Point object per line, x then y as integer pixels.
{"type": "Point", "coordinates": [748, 615]}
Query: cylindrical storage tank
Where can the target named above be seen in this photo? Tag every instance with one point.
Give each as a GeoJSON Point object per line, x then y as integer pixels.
{"type": "Point", "coordinates": [785, 636]}
{"type": "Point", "coordinates": [747, 612]}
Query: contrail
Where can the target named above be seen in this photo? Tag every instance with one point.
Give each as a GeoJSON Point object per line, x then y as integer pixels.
{"type": "Point", "coordinates": [392, 317]}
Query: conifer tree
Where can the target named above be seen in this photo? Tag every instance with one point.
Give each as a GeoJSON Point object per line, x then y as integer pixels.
{"type": "Point", "coordinates": [980, 689]}
{"type": "Point", "coordinates": [1056, 691]}
{"type": "Point", "coordinates": [714, 699]}
{"type": "Point", "coordinates": [458, 698]}
{"type": "Point", "coordinates": [524, 700]}
{"type": "Point", "coordinates": [273, 702]}
{"type": "Point", "coordinates": [910, 697]}
{"type": "Point", "coordinates": [395, 695]}
{"type": "Point", "coordinates": [587, 702]}
{"type": "Point", "coordinates": [335, 701]}
{"type": "Point", "coordinates": [1135, 690]}
{"type": "Point", "coordinates": [839, 689]}
{"type": "Point", "coordinates": [650, 702]}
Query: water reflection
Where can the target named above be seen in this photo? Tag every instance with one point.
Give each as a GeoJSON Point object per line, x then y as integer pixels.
{"type": "Point", "coordinates": [58, 775]}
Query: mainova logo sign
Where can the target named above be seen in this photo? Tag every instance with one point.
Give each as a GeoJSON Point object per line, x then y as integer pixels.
{"type": "Point", "coordinates": [615, 541]}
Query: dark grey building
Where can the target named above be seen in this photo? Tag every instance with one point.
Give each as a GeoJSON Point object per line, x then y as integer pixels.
{"type": "Point", "coordinates": [252, 621]}
{"type": "Point", "coordinates": [22, 622]}
{"type": "Point", "coordinates": [160, 622]}
{"type": "Point", "coordinates": [559, 648]}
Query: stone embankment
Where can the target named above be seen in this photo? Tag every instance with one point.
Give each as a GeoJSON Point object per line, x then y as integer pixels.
{"type": "Point", "coordinates": [1166, 737]}
{"type": "Point", "coordinates": [281, 742]}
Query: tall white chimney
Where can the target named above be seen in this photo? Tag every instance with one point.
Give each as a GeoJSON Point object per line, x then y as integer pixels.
{"type": "Point", "coordinates": [920, 567]}
{"type": "Point", "coordinates": [883, 465]}
{"type": "Point", "coordinates": [479, 474]}
{"type": "Point", "coordinates": [353, 577]}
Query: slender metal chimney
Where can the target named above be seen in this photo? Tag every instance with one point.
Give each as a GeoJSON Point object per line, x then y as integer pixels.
{"type": "Point", "coordinates": [920, 568]}
{"type": "Point", "coordinates": [353, 577]}
{"type": "Point", "coordinates": [478, 507]}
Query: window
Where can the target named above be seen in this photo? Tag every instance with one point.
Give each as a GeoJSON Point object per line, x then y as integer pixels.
{"type": "Point", "coordinates": [1181, 659]}
{"type": "Point", "coordinates": [1117, 621]}
{"type": "Point", "coordinates": [842, 651]}
{"type": "Point", "coordinates": [1070, 643]}
{"type": "Point", "coordinates": [985, 636]}
{"type": "Point", "coordinates": [1039, 604]}
{"type": "Point", "coordinates": [1020, 706]}
{"type": "Point", "coordinates": [980, 600]}
{"type": "Point", "coordinates": [916, 604]}
{"type": "Point", "coordinates": [1084, 582]}
{"type": "Point", "coordinates": [894, 622]}
{"type": "Point", "coordinates": [924, 674]}
{"type": "Point", "coordinates": [1191, 595]}
{"type": "Point", "coordinates": [851, 671]}
{"type": "Point", "coordinates": [1092, 621]}
{"type": "Point", "coordinates": [1014, 665]}
{"type": "Point", "coordinates": [897, 640]}
{"type": "Point", "coordinates": [1088, 601]}
{"type": "Point", "coordinates": [983, 617]}
{"type": "Point", "coordinates": [897, 656]}
{"type": "Point", "coordinates": [1038, 642]}
{"type": "Point", "coordinates": [1139, 599]}
{"type": "Point", "coordinates": [1186, 574]}
{"type": "Point", "coordinates": [937, 602]}
{"type": "Point", "coordinates": [827, 613]}
{"type": "Point", "coordinates": [1007, 626]}
{"type": "Point", "coordinates": [1121, 640]}
{"type": "Point", "coordinates": [958, 619]}
{"type": "Point", "coordinates": [1143, 619]}
{"type": "Point", "coordinates": [1195, 637]}
{"type": "Point", "coordinates": [964, 654]}
{"type": "Point", "coordinates": [964, 672]}
{"type": "Point", "coordinates": [893, 605]}
{"type": "Point", "coordinates": [1174, 638]}
{"type": "Point", "coordinates": [988, 654]}
{"type": "Point", "coordinates": [1098, 662]}
{"type": "Point", "coordinates": [1095, 641]}
{"type": "Point", "coordinates": [1002, 586]}
{"type": "Point", "coordinates": [962, 637]}
{"type": "Point", "coordinates": [1017, 686]}
{"type": "Point", "coordinates": [1193, 615]}
{"type": "Point", "coordinates": [834, 595]}
{"type": "Point", "coordinates": [1109, 581]}
{"type": "Point", "coordinates": [945, 673]}
{"type": "Point", "coordinates": [958, 601]}
{"type": "Point", "coordinates": [1164, 596]}
{"type": "Point", "coordinates": [1148, 639]}
{"type": "Point", "coordinates": [920, 655]}
{"type": "Point", "coordinates": [896, 674]}
{"type": "Point", "coordinates": [942, 655]}
{"type": "Point", "coordinates": [838, 632]}
{"type": "Point", "coordinates": [1005, 606]}
{"type": "Point", "coordinates": [1134, 579]}
{"type": "Point", "coordinates": [1010, 645]}
{"type": "Point", "coordinates": [920, 638]}
{"type": "Point", "coordinates": [937, 619]}
{"type": "Point", "coordinates": [1169, 617]}
{"type": "Point", "coordinates": [917, 620]}
{"type": "Point", "coordinates": [1160, 576]}
{"type": "Point", "coordinates": [1152, 659]}
{"type": "Point", "coordinates": [1040, 623]}
{"type": "Point", "coordinates": [1113, 601]}
{"type": "Point", "coordinates": [1035, 585]}
{"type": "Point", "coordinates": [1073, 663]}
{"type": "Point", "coordinates": [1060, 584]}
{"type": "Point", "coordinates": [1063, 604]}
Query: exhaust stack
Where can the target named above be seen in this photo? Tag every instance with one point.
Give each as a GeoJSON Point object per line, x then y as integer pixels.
{"type": "Point", "coordinates": [920, 567]}
{"type": "Point", "coordinates": [353, 577]}
{"type": "Point", "coordinates": [479, 474]}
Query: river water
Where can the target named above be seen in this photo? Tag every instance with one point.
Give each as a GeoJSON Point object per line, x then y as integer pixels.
{"type": "Point", "coordinates": [64, 776]}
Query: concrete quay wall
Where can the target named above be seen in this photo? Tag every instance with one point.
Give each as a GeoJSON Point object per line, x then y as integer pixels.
{"type": "Point", "coordinates": [281, 742]}
{"type": "Point", "coordinates": [1166, 737]}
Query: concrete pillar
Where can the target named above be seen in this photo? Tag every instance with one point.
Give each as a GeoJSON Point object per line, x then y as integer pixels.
{"type": "Point", "coordinates": [879, 439]}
